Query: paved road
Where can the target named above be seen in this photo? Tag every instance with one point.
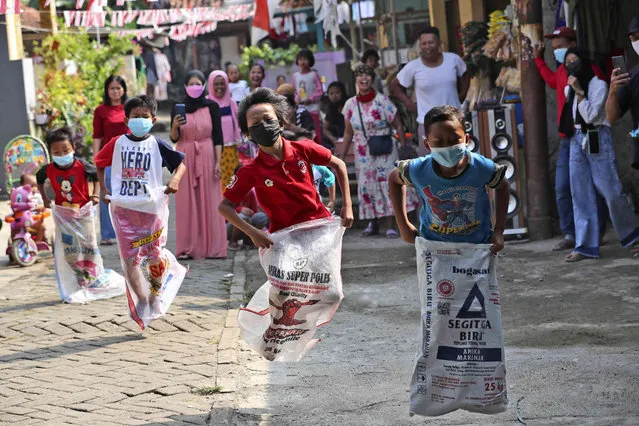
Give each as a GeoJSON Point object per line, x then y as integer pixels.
{"type": "Point", "coordinates": [571, 332]}
{"type": "Point", "coordinates": [91, 365]}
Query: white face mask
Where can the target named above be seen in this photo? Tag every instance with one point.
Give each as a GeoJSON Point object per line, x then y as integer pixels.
{"type": "Point", "coordinates": [635, 45]}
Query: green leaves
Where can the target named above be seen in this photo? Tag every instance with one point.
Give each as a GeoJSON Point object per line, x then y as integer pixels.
{"type": "Point", "coordinates": [271, 57]}
{"type": "Point", "coordinates": [71, 99]}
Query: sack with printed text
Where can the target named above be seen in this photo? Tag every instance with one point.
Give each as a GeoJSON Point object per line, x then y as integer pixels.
{"type": "Point", "coordinates": [78, 265]}
{"type": "Point", "coordinates": [303, 291]}
{"type": "Point", "coordinates": [153, 275]}
{"type": "Point", "coordinates": [461, 360]}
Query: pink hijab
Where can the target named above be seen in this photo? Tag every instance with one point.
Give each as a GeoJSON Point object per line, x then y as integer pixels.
{"type": "Point", "coordinates": [230, 126]}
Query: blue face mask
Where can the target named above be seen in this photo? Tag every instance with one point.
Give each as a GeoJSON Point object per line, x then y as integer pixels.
{"type": "Point", "coordinates": [560, 54]}
{"type": "Point", "coordinates": [64, 160]}
{"type": "Point", "coordinates": [449, 156]}
{"type": "Point", "coordinates": [140, 126]}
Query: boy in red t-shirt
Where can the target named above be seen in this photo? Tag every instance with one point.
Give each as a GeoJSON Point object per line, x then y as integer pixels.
{"type": "Point", "coordinates": [281, 174]}
{"type": "Point", "coordinates": [74, 181]}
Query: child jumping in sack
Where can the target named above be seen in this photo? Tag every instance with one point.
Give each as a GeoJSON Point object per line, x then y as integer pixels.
{"type": "Point", "coordinates": [451, 183]}
{"type": "Point", "coordinates": [139, 209]}
{"type": "Point", "coordinates": [79, 270]}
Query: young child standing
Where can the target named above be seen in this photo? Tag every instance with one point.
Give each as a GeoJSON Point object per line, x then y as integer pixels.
{"type": "Point", "coordinates": [237, 87]}
{"type": "Point", "coordinates": [451, 183]}
{"type": "Point", "coordinates": [281, 173]}
{"type": "Point", "coordinates": [308, 88]}
{"type": "Point", "coordinates": [140, 213]}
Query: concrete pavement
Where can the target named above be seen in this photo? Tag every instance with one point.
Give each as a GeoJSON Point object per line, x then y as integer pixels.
{"type": "Point", "coordinates": [571, 332]}
{"type": "Point", "coordinates": [91, 365]}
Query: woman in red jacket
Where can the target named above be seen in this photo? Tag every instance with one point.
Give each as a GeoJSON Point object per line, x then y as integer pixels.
{"type": "Point", "coordinates": [108, 122]}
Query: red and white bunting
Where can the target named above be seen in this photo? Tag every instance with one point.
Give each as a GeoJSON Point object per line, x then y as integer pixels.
{"type": "Point", "coordinates": [9, 7]}
{"type": "Point", "coordinates": [159, 17]}
{"type": "Point", "coordinates": [73, 18]}
{"type": "Point", "coordinates": [184, 31]}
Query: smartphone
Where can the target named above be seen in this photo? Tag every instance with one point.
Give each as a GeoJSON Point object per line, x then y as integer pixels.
{"type": "Point", "coordinates": [619, 62]}
{"type": "Point", "coordinates": [180, 109]}
{"type": "Point", "coordinates": [593, 141]}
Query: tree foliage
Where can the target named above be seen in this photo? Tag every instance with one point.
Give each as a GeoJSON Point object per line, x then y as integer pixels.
{"type": "Point", "coordinates": [70, 98]}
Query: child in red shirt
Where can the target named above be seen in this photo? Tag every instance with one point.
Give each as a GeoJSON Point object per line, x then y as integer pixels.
{"type": "Point", "coordinates": [282, 173]}
{"type": "Point", "coordinates": [74, 181]}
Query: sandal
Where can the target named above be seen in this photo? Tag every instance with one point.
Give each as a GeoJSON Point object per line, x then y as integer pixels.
{"type": "Point", "coordinates": [392, 234]}
{"type": "Point", "coordinates": [234, 246]}
{"type": "Point", "coordinates": [184, 256]}
{"type": "Point", "coordinates": [575, 257]}
{"type": "Point", "coordinates": [106, 243]}
{"type": "Point", "coordinates": [371, 229]}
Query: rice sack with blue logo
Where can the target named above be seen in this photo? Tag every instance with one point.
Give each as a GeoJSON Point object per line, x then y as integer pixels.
{"type": "Point", "coordinates": [461, 361]}
{"type": "Point", "coordinates": [78, 265]}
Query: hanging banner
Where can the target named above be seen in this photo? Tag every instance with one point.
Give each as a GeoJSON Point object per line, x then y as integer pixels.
{"type": "Point", "coordinates": [157, 17]}
{"type": "Point", "coordinates": [9, 7]}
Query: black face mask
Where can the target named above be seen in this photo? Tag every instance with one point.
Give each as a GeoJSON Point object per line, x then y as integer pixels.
{"type": "Point", "coordinates": [574, 68]}
{"type": "Point", "coordinates": [265, 133]}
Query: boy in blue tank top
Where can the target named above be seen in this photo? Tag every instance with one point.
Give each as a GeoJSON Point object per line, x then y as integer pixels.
{"type": "Point", "coordinates": [451, 183]}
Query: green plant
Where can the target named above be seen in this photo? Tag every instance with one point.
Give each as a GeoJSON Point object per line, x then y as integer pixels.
{"type": "Point", "coordinates": [68, 97]}
{"type": "Point", "coordinates": [271, 57]}
{"type": "Point", "coordinates": [207, 390]}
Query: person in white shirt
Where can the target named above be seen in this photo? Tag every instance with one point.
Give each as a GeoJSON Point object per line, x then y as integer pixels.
{"type": "Point", "coordinates": [237, 88]}
{"type": "Point", "coordinates": [440, 78]}
{"type": "Point", "coordinates": [592, 160]}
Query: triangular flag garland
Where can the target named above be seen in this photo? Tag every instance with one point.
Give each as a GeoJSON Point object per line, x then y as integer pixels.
{"type": "Point", "coordinates": [157, 17]}
{"type": "Point", "coordinates": [9, 7]}
{"type": "Point", "coordinates": [148, 17]}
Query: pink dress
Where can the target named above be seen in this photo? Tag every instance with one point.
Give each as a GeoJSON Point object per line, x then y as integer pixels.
{"type": "Point", "coordinates": [200, 229]}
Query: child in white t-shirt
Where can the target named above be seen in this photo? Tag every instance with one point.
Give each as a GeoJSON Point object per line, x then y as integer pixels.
{"type": "Point", "coordinates": [238, 88]}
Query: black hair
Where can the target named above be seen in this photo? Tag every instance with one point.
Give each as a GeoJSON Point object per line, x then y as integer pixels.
{"type": "Point", "coordinates": [305, 53]}
{"type": "Point", "coordinates": [106, 100]}
{"type": "Point", "coordinates": [442, 113]}
{"type": "Point", "coordinates": [280, 76]}
{"type": "Point", "coordinates": [333, 110]}
{"type": "Point", "coordinates": [141, 101]}
{"type": "Point", "coordinates": [586, 73]}
{"type": "Point", "coordinates": [239, 166]}
{"type": "Point", "coordinates": [340, 86]}
{"type": "Point", "coordinates": [260, 66]}
{"type": "Point", "coordinates": [430, 30]}
{"type": "Point", "coordinates": [290, 98]}
{"type": "Point", "coordinates": [370, 53]}
{"type": "Point", "coordinates": [262, 96]}
{"type": "Point", "coordinates": [58, 135]}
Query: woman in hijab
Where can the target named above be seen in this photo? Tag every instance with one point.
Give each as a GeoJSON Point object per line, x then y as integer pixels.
{"type": "Point", "coordinates": [200, 229]}
{"type": "Point", "coordinates": [592, 160]}
{"type": "Point", "coordinates": [219, 93]}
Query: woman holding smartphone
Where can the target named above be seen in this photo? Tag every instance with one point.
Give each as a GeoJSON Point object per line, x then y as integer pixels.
{"type": "Point", "coordinates": [200, 229]}
{"type": "Point", "coordinates": [592, 160]}
{"type": "Point", "coordinates": [108, 122]}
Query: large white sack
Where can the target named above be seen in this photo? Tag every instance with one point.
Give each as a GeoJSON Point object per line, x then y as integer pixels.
{"type": "Point", "coordinates": [461, 360]}
{"type": "Point", "coordinates": [79, 270]}
{"type": "Point", "coordinates": [153, 274]}
{"type": "Point", "coordinates": [303, 291]}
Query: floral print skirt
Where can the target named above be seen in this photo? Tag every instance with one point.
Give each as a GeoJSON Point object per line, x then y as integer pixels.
{"type": "Point", "coordinates": [372, 182]}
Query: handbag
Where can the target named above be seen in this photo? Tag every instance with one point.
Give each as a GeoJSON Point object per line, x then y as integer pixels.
{"type": "Point", "coordinates": [377, 145]}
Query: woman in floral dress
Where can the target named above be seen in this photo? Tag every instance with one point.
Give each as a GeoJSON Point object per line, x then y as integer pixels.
{"type": "Point", "coordinates": [378, 115]}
